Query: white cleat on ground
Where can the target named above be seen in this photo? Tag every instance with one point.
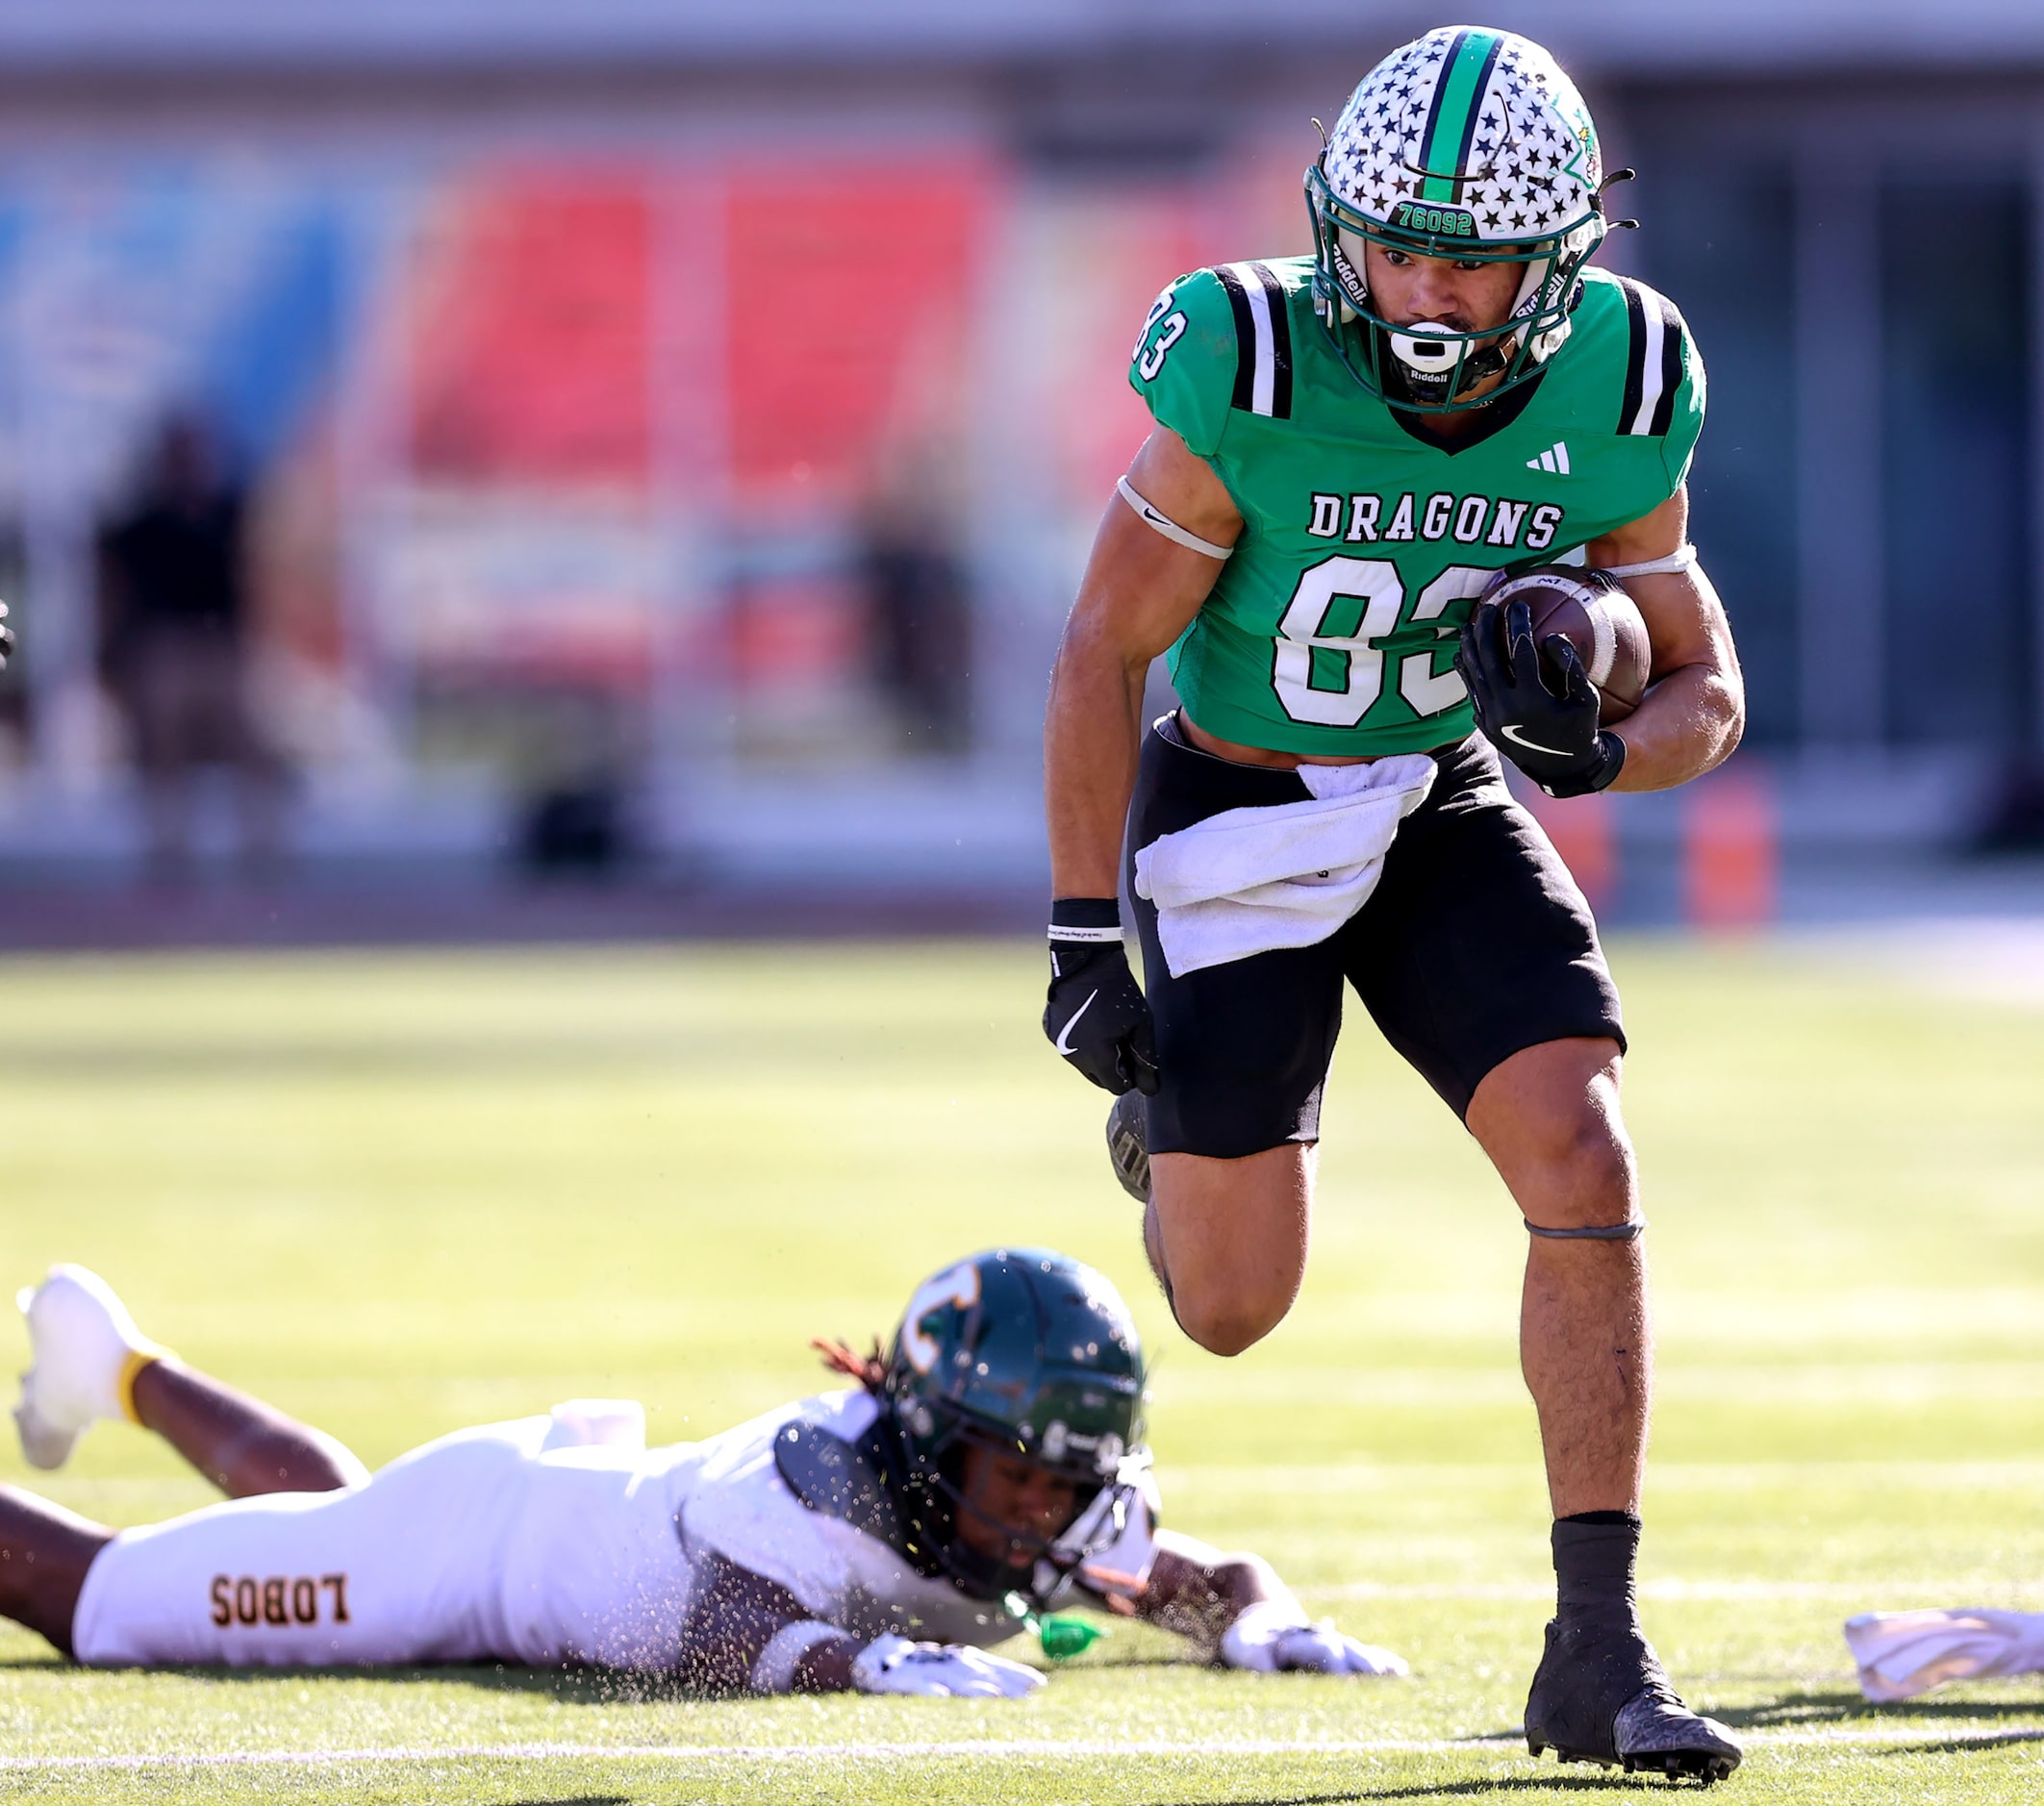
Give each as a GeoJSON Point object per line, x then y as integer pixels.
{"type": "Point", "coordinates": [81, 1339]}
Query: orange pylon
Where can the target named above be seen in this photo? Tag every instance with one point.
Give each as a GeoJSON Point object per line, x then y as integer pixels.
{"type": "Point", "coordinates": [1731, 852]}
{"type": "Point", "coordinates": [1585, 835]}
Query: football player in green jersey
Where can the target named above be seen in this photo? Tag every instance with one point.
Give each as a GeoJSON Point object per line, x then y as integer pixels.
{"type": "Point", "coordinates": [1348, 449]}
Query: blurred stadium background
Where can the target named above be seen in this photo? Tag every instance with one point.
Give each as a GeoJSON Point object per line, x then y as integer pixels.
{"type": "Point", "coordinates": [673, 432]}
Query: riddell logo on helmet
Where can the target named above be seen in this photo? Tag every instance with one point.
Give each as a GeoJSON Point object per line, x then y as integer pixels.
{"type": "Point", "coordinates": [1444, 222]}
{"type": "Point", "coordinates": [1061, 1440]}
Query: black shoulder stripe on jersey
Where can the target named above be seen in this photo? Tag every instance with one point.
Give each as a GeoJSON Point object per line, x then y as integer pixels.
{"type": "Point", "coordinates": [1281, 342]}
{"type": "Point", "coordinates": [1635, 355]}
{"type": "Point", "coordinates": [1671, 370]}
{"type": "Point", "coordinates": [1654, 362]}
{"type": "Point", "coordinates": [1238, 300]}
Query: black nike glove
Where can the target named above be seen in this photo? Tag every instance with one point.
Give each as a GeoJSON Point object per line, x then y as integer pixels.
{"type": "Point", "coordinates": [1553, 740]}
{"type": "Point", "coordinates": [1097, 1016]}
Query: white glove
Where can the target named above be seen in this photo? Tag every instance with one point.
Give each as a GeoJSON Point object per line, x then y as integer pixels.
{"type": "Point", "coordinates": [894, 1664]}
{"type": "Point", "coordinates": [1270, 1638]}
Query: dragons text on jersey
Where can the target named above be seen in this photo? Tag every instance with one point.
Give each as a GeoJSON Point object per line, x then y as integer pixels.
{"type": "Point", "coordinates": [1467, 520]}
{"type": "Point", "coordinates": [1332, 627]}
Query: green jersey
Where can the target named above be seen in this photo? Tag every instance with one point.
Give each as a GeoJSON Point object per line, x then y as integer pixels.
{"type": "Point", "coordinates": [1332, 627]}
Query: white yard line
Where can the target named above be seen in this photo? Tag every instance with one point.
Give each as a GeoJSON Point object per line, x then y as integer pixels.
{"type": "Point", "coordinates": [1052, 1749]}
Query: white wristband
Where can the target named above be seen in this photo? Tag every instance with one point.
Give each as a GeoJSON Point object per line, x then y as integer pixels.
{"type": "Point", "coordinates": [1153, 516]}
{"type": "Point", "coordinates": [1680, 559]}
{"type": "Point", "coordinates": [775, 1670]}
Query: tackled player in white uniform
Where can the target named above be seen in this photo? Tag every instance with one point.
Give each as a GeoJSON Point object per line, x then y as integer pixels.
{"type": "Point", "coordinates": [881, 1538]}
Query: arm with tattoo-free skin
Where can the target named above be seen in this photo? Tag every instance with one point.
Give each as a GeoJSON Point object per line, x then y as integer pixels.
{"type": "Point", "coordinates": [1192, 1589]}
{"type": "Point", "coordinates": [1234, 1610]}
{"type": "Point", "coordinates": [1692, 717]}
{"type": "Point", "coordinates": [736, 1617]}
{"type": "Point", "coordinates": [1537, 705]}
{"type": "Point", "coordinates": [1140, 592]}
{"type": "Point", "coordinates": [733, 1615]}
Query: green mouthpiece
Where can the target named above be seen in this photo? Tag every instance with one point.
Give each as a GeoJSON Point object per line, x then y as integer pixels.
{"type": "Point", "coordinates": [1060, 1635]}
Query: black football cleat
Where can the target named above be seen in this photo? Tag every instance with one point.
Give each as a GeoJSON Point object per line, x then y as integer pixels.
{"type": "Point", "coordinates": [1128, 1145]}
{"type": "Point", "coordinates": [1601, 1695]}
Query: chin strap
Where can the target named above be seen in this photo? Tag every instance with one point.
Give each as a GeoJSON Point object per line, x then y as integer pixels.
{"type": "Point", "coordinates": [1598, 1232]}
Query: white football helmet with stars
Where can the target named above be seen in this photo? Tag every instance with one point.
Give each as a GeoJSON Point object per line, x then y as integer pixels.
{"type": "Point", "coordinates": [1467, 143]}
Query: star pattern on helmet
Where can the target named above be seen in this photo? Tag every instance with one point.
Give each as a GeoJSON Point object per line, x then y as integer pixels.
{"type": "Point", "coordinates": [1531, 126]}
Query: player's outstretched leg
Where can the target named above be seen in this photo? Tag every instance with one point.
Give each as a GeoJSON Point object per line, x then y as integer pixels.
{"type": "Point", "coordinates": [242, 1445]}
{"type": "Point", "coordinates": [44, 1553]}
{"type": "Point", "coordinates": [91, 1361]}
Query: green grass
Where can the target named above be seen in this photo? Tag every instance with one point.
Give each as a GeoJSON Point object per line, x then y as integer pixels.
{"type": "Point", "coordinates": [399, 1193]}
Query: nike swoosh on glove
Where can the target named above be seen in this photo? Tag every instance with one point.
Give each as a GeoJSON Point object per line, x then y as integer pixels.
{"type": "Point", "coordinates": [1268, 1639]}
{"type": "Point", "coordinates": [1553, 740]}
{"type": "Point", "coordinates": [1098, 1018]}
{"type": "Point", "coordinates": [894, 1664]}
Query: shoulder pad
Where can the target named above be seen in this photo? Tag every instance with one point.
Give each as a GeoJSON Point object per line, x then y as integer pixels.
{"type": "Point", "coordinates": [839, 1479]}
{"type": "Point", "coordinates": [1657, 359]}
{"type": "Point", "coordinates": [1187, 359]}
{"type": "Point", "coordinates": [1263, 339]}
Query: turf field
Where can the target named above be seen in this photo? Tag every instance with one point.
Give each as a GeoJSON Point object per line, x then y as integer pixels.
{"type": "Point", "coordinates": [399, 1193]}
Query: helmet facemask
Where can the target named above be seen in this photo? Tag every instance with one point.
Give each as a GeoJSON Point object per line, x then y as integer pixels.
{"type": "Point", "coordinates": [1471, 146]}
{"type": "Point", "coordinates": [941, 1501]}
{"type": "Point", "coordinates": [1429, 368]}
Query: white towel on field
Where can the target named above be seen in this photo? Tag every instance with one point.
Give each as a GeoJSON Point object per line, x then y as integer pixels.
{"type": "Point", "coordinates": [1288, 875]}
{"type": "Point", "coordinates": [1900, 1654]}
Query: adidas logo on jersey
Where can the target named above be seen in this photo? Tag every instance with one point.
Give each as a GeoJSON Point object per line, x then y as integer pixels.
{"type": "Point", "coordinates": [1555, 460]}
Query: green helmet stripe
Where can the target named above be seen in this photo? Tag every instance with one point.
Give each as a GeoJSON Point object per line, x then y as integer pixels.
{"type": "Point", "coordinates": [1457, 104]}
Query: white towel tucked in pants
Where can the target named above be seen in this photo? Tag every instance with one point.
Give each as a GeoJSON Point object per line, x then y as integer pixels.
{"type": "Point", "coordinates": [1250, 880]}
{"type": "Point", "coordinates": [1900, 1654]}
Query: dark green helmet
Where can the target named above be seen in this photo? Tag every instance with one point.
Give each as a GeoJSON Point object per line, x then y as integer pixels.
{"type": "Point", "coordinates": [1032, 1355]}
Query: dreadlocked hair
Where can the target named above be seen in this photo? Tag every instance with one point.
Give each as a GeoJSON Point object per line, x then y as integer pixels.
{"type": "Point", "coordinates": [838, 1357]}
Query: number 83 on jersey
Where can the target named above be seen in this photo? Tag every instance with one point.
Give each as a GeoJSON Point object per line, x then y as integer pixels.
{"type": "Point", "coordinates": [1334, 679]}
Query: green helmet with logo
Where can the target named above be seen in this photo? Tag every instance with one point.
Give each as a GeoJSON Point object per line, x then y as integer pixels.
{"type": "Point", "coordinates": [1470, 144]}
{"type": "Point", "coordinates": [1032, 1355]}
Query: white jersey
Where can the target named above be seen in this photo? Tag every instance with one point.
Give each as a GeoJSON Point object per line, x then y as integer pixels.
{"type": "Point", "coordinates": [516, 1543]}
{"type": "Point", "coordinates": [740, 1507]}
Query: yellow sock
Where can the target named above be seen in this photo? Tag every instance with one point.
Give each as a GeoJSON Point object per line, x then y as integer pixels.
{"type": "Point", "coordinates": [130, 1369]}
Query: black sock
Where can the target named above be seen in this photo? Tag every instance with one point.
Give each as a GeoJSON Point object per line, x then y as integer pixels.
{"type": "Point", "coordinates": [1594, 1558]}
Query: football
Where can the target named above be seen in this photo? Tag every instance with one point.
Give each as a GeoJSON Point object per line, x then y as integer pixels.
{"type": "Point", "coordinates": [1594, 616]}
